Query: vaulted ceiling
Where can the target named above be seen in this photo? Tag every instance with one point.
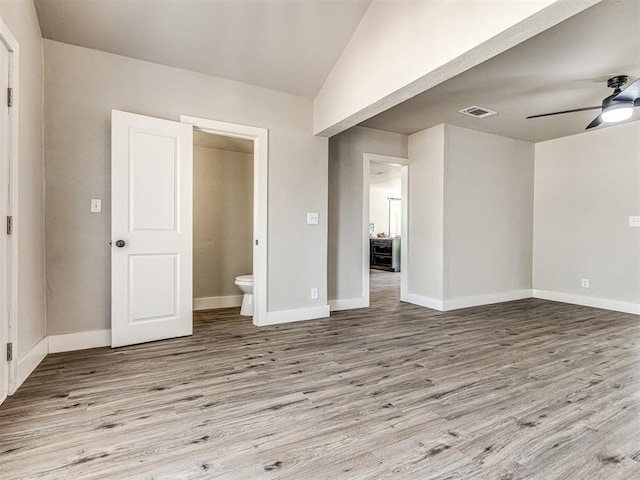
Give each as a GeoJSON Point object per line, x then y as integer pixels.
{"type": "Point", "coordinates": [283, 45]}
{"type": "Point", "coordinates": [292, 45]}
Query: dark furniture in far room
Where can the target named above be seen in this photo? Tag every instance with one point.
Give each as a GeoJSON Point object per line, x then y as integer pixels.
{"type": "Point", "coordinates": [385, 254]}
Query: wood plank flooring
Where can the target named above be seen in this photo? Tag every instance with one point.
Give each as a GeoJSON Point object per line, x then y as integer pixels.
{"type": "Point", "coordinates": [521, 390]}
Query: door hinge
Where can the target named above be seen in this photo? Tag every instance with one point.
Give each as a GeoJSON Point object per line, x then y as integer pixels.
{"type": "Point", "coordinates": [9, 352]}
{"type": "Point", "coordinates": [9, 97]}
{"type": "Point", "coordinates": [9, 225]}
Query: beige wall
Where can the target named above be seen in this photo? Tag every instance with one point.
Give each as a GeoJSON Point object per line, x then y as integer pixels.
{"type": "Point", "coordinates": [586, 187]}
{"type": "Point", "coordinates": [81, 88]}
{"type": "Point", "coordinates": [345, 203]}
{"type": "Point", "coordinates": [488, 198]}
{"type": "Point", "coordinates": [20, 17]}
{"type": "Point", "coordinates": [222, 220]}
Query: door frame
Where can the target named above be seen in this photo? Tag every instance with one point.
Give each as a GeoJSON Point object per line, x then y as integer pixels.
{"type": "Point", "coordinates": [260, 138]}
{"type": "Point", "coordinates": [11, 43]}
{"type": "Point", "coordinates": [367, 158]}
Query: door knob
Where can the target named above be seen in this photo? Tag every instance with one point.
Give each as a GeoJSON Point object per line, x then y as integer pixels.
{"type": "Point", "coordinates": [120, 243]}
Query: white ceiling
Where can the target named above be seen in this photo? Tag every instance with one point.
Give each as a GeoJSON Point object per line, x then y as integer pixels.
{"type": "Point", "coordinates": [221, 142]}
{"type": "Point", "coordinates": [286, 45]}
{"type": "Point", "coordinates": [563, 68]}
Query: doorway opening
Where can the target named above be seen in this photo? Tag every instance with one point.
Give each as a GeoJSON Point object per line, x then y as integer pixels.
{"type": "Point", "coordinates": [385, 192]}
{"type": "Point", "coordinates": [256, 139]}
{"type": "Point", "coordinates": [222, 220]}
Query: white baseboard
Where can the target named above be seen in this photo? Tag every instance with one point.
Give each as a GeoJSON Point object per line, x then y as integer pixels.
{"type": "Point", "coordinates": [79, 341]}
{"type": "Point", "coordinates": [615, 305]}
{"type": "Point", "coordinates": [208, 303]}
{"type": "Point", "coordinates": [348, 303]}
{"type": "Point", "coordinates": [477, 300]}
{"type": "Point", "coordinates": [296, 315]}
{"type": "Point", "coordinates": [28, 363]}
{"type": "Point", "coordinates": [423, 301]}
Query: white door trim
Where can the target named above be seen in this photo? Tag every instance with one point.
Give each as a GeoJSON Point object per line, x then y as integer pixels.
{"type": "Point", "coordinates": [12, 240]}
{"type": "Point", "coordinates": [367, 158]}
{"type": "Point", "coordinates": [366, 171]}
{"type": "Point", "coordinates": [260, 138]}
{"type": "Point", "coordinates": [404, 233]}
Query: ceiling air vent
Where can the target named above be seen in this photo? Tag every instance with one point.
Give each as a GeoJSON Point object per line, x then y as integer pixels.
{"type": "Point", "coordinates": [477, 112]}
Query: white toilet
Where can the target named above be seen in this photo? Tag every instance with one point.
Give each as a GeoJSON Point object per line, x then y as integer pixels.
{"type": "Point", "coordinates": [245, 283]}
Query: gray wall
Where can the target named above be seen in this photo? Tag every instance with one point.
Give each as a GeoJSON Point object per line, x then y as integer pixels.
{"type": "Point", "coordinates": [345, 203]}
{"type": "Point", "coordinates": [470, 214]}
{"type": "Point", "coordinates": [222, 220]}
{"type": "Point", "coordinates": [81, 88]}
{"type": "Point", "coordinates": [20, 17]}
{"type": "Point", "coordinates": [488, 216]}
{"type": "Point", "coordinates": [586, 187]}
{"type": "Point", "coordinates": [424, 249]}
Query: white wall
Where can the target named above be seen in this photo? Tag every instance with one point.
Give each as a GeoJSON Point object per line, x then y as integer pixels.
{"type": "Point", "coordinates": [488, 219]}
{"type": "Point", "coordinates": [379, 205]}
{"type": "Point", "coordinates": [345, 203]}
{"type": "Point", "coordinates": [424, 247]}
{"type": "Point", "coordinates": [586, 187]}
{"type": "Point", "coordinates": [400, 49]}
{"type": "Point", "coordinates": [222, 220]}
{"type": "Point", "coordinates": [20, 17]}
{"type": "Point", "coordinates": [81, 88]}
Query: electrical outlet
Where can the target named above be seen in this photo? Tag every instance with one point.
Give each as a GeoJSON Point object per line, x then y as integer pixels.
{"type": "Point", "coordinates": [634, 221]}
{"type": "Point", "coordinates": [96, 205]}
{"type": "Point", "coordinates": [312, 218]}
{"type": "Point", "coordinates": [314, 294]}
{"type": "Point", "coordinates": [585, 283]}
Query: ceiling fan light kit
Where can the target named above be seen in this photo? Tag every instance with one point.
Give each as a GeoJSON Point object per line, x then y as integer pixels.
{"type": "Point", "coordinates": [617, 107]}
{"type": "Point", "coordinates": [617, 113]}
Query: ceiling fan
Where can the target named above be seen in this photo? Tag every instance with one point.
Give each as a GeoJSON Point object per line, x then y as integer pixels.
{"type": "Point", "coordinates": [616, 107]}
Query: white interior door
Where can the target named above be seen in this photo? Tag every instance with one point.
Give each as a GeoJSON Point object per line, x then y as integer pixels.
{"type": "Point", "coordinates": [4, 209]}
{"type": "Point", "coordinates": [151, 229]}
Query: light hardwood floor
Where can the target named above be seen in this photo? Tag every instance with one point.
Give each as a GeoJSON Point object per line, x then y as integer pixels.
{"type": "Point", "coordinates": [528, 389]}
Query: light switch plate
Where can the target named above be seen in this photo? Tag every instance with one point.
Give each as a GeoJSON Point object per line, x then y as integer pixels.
{"type": "Point", "coordinates": [634, 221]}
{"type": "Point", "coordinates": [96, 205]}
{"type": "Point", "coordinates": [312, 218]}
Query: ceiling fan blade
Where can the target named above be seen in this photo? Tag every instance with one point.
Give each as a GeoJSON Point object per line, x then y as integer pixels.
{"type": "Point", "coordinates": [566, 111]}
{"type": "Point", "coordinates": [629, 94]}
{"type": "Point", "coordinates": [595, 122]}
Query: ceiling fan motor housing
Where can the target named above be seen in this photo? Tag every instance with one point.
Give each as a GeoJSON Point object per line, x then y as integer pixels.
{"type": "Point", "coordinates": [614, 108]}
{"type": "Point", "coordinates": [617, 82]}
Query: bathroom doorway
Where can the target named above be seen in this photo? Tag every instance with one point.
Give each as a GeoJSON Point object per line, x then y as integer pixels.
{"type": "Point", "coordinates": [222, 218]}
{"type": "Point", "coordinates": [230, 214]}
{"type": "Point", "coordinates": [384, 232]}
